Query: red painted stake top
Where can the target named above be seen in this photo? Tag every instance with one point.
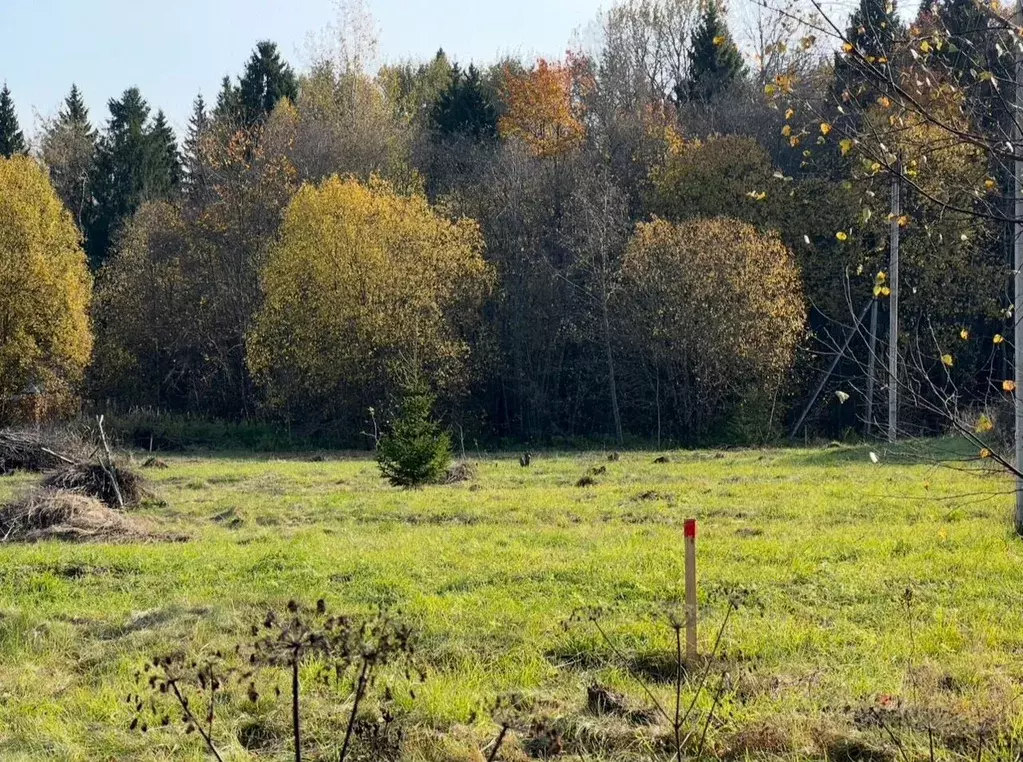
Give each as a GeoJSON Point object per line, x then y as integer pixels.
{"type": "Point", "coordinates": [691, 529]}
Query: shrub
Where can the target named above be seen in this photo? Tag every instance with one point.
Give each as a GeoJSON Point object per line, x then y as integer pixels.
{"type": "Point", "coordinates": [712, 309]}
{"type": "Point", "coordinates": [415, 450]}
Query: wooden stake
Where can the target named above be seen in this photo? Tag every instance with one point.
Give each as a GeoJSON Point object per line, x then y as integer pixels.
{"type": "Point", "coordinates": [691, 613]}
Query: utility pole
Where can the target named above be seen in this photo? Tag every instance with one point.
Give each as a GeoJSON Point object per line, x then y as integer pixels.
{"type": "Point", "coordinates": [871, 368]}
{"type": "Point", "coordinates": [1017, 248]}
{"type": "Point", "coordinates": [893, 308]}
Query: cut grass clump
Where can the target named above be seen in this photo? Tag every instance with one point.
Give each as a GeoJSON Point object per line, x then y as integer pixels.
{"type": "Point", "coordinates": [98, 481]}
{"type": "Point", "coordinates": [60, 515]}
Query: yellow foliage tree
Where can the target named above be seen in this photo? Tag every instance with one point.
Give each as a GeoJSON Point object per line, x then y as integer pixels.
{"type": "Point", "coordinates": [542, 110]}
{"type": "Point", "coordinates": [366, 285]}
{"type": "Point", "coordinates": [714, 310]}
{"type": "Point", "coordinates": [45, 289]}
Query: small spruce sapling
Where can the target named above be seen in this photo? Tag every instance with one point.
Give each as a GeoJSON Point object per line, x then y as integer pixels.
{"type": "Point", "coordinates": [415, 450]}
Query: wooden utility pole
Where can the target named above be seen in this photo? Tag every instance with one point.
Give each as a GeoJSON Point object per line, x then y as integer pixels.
{"type": "Point", "coordinates": [871, 368]}
{"type": "Point", "coordinates": [893, 308]}
{"type": "Point", "coordinates": [1017, 248]}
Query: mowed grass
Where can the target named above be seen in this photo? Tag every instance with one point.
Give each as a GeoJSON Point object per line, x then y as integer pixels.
{"type": "Point", "coordinates": [821, 544]}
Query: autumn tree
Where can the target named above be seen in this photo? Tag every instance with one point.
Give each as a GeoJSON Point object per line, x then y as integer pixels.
{"type": "Point", "coordinates": [178, 296]}
{"type": "Point", "coordinates": [713, 311]}
{"type": "Point", "coordinates": [68, 149]}
{"type": "Point", "coordinates": [147, 319]}
{"type": "Point", "coordinates": [12, 139]}
{"type": "Point", "coordinates": [413, 89]}
{"type": "Point", "coordinates": [542, 110]}
{"type": "Point", "coordinates": [45, 289]}
{"type": "Point", "coordinates": [364, 286]}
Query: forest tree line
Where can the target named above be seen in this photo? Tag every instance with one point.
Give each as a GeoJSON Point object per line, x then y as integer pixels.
{"type": "Point", "coordinates": [641, 240]}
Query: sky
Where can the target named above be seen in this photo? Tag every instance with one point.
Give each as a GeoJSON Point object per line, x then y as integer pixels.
{"type": "Point", "coordinates": [173, 49]}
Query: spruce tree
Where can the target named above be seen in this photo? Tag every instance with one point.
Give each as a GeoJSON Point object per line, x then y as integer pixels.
{"type": "Point", "coordinates": [715, 63]}
{"type": "Point", "coordinates": [135, 162]}
{"type": "Point", "coordinates": [165, 170]}
{"type": "Point", "coordinates": [465, 107]}
{"type": "Point", "coordinates": [873, 29]}
{"type": "Point", "coordinates": [193, 169]}
{"type": "Point", "coordinates": [267, 80]}
{"type": "Point", "coordinates": [12, 139]}
{"type": "Point", "coordinates": [229, 103]}
{"type": "Point", "coordinates": [74, 111]}
{"type": "Point", "coordinates": [415, 450]}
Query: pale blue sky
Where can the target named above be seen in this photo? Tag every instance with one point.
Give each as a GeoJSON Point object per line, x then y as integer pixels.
{"type": "Point", "coordinates": [174, 48]}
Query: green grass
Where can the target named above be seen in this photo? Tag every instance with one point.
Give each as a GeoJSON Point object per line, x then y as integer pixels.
{"type": "Point", "coordinates": [822, 543]}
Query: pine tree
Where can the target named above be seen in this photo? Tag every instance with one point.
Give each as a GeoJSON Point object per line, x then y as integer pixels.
{"type": "Point", "coordinates": [715, 63]}
{"type": "Point", "coordinates": [135, 162]}
{"type": "Point", "coordinates": [68, 147]}
{"type": "Point", "coordinates": [267, 80]}
{"type": "Point", "coordinates": [465, 107]}
{"type": "Point", "coordinates": [194, 174]}
{"type": "Point", "coordinates": [12, 139]}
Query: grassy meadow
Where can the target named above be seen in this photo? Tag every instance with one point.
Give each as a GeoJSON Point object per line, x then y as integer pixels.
{"type": "Point", "coordinates": [819, 546]}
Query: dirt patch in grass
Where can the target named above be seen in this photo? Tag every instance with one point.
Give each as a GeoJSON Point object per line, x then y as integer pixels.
{"type": "Point", "coordinates": [61, 515]}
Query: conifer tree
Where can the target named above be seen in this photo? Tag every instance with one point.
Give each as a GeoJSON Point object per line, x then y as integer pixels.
{"type": "Point", "coordinates": [715, 63]}
{"type": "Point", "coordinates": [193, 174]}
{"type": "Point", "coordinates": [136, 161]}
{"type": "Point", "coordinates": [870, 38]}
{"type": "Point", "coordinates": [12, 139]}
{"type": "Point", "coordinates": [164, 156]}
{"type": "Point", "coordinates": [229, 103]}
{"type": "Point", "coordinates": [465, 107]}
{"type": "Point", "coordinates": [267, 80]}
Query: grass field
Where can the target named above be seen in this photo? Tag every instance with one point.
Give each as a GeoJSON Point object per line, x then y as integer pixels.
{"type": "Point", "coordinates": [821, 545]}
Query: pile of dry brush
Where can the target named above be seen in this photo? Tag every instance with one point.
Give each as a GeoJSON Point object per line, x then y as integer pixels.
{"type": "Point", "coordinates": [84, 493]}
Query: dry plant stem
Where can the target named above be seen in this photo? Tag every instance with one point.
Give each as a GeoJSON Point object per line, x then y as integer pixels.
{"type": "Point", "coordinates": [497, 744]}
{"type": "Point", "coordinates": [710, 715]}
{"type": "Point", "coordinates": [108, 464]}
{"type": "Point", "coordinates": [360, 691]}
{"type": "Point", "coordinates": [295, 713]}
{"type": "Point", "coordinates": [895, 739]}
{"type": "Point", "coordinates": [206, 737]}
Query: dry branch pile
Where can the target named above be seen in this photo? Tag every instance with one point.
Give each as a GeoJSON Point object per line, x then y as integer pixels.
{"type": "Point", "coordinates": [31, 451]}
{"type": "Point", "coordinates": [100, 481]}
